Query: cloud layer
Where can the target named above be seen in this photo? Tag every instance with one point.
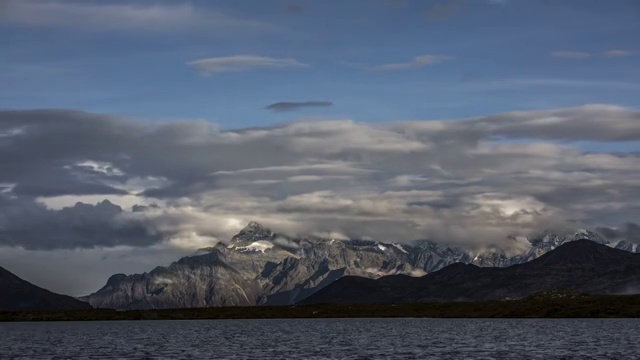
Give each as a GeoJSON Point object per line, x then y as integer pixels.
{"type": "Point", "coordinates": [416, 62]}
{"type": "Point", "coordinates": [243, 63]}
{"type": "Point", "coordinates": [99, 15]}
{"type": "Point", "coordinates": [292, 105]}
{"type": "Point", "coordinates": [614, 53]}
{"type": "Point", "coordinates": [188, 184]}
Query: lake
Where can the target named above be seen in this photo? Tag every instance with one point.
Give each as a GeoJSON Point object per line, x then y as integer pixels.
{"type": "Point", "coordinates": [325, 339]}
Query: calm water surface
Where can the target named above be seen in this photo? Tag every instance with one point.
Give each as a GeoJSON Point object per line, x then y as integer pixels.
{"type": "Point", "coordinates": [324, 339]}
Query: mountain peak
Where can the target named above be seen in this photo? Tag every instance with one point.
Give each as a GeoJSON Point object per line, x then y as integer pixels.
{"type": "Point", "coordinates": [583, 234]}
{"type": "Point", "coordinates": [254, 231]}
{"type": "Point", "coordinates": [582, 251]}
{"type": "Point", "coordinates": [253, 225]}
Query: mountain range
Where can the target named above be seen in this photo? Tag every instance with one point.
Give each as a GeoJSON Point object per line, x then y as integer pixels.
{"type": "Point", "coordinates": [260, 267]}
{"type": "Point", "coordinates": [582, 265]}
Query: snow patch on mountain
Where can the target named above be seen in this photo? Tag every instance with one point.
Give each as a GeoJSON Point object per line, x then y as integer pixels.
{"type": "Point", "coordinates": [162, 281]}
{"type": "Point", "coordinates": [260, 246]}
{"type": "Point", "coordinates": [399, 247]}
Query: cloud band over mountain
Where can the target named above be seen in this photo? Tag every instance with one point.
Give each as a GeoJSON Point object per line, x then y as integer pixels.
{"type": "Point", "coordinates": [471, 180]}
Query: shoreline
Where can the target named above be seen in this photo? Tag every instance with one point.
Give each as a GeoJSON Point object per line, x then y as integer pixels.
{"type": "Point", "coordinates": [605, 306]}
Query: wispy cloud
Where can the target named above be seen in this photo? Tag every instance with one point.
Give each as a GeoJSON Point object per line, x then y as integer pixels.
{"type": "Point", "coordinates": [291, 106]}
{"type": "Point", "coordinates": [614, 53]}
{"type": "Point", "coordinates": [243, 63]}
{"type": "Point", "coordinates": [521, 83]}
{"type": "Point", "coordinates": [617, 53]}
{"type": "Point", "coordinates": [417, 62]}
{"type": "Point", "coordinates": [571, 54]}
{"type": "Point", "coordinates": [443, 10]}
{"type": "Point", "coordinates": [119, 16]}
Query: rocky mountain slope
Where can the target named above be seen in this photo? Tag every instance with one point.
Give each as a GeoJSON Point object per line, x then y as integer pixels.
{"type": "Point", "coordinates": [582, 265]}
{"type": "Point", "coordinates": [259, 267]}
{"type": "Point", "coordinates": [19, 295]}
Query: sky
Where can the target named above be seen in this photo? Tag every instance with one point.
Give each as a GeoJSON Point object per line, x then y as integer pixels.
{"type": "Point", "coordinates": [135, 132]}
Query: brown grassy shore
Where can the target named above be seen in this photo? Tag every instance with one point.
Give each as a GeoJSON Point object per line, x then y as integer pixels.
{"type": "Point", "coordinates": [627, 306]}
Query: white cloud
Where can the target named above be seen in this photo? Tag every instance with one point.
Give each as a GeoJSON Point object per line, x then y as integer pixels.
{"type": "Point", "coordinates": [417, 62]}
{"type": "Point", "coordinates": [243, 63]}
{"type": "Point", "coordinates": [191, 240]}
{"type": "Point", "coordinates": [613, 53]}
{"type": "Point", "coordinates": [98, 167]}
{"type": "Point", "coordinates": [617, 53]}
{"type": "Point", "coordinates": [101, 15]}
{"type": "Point", "coordinates": [571, 54]}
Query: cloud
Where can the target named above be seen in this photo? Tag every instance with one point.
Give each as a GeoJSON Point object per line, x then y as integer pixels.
{"type": "Point", "coordinates": [119, 16]}
{"type": "Point", "coordinates": [616, 53]}
{"type": "Point", "coordinates": [443, 10]}
{"type": "Point", "coordinates": [519, 83]}
{"type": "Point", "coordinates": [471, 180]}
{"type": "Point", "coordinates": [629, 231]}
{"type": "Point", "coordinates": [243, 63]}
{"type": "Point", "coordinates": [31, 226]}
{"type": "Point", "coordinates": [291, 106]}
{"type": "Point", "coordinates": [417, 62]}
{"type": "Point", "coordinates": [571, 54]}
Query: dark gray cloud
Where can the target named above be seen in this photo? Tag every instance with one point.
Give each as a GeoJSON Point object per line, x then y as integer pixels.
{"type": "Point", "coordinates": [64, 188]}
{"type": "Point", "coordinates": [629, 231]}
{"type": "Point", "coordinates": [292, 106]}
{"type": "Point", "coordinates": [32, 226]}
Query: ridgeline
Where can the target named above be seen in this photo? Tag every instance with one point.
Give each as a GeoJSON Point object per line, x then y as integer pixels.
{"type": "Point", "coordinates": [554, 304]}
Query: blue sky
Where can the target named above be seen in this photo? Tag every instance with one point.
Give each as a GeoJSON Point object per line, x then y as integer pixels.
{"type": "Point", "coordinates": [496, 56]}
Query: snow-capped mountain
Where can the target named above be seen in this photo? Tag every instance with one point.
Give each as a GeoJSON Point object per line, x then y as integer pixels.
{"type": "Point", "coordinates": [541, 244]}
{"type": "Point", "coordinates": [258, 266]}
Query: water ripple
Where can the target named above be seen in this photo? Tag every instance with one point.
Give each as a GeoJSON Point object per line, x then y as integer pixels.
{"type": "Point", "coordinates": [324, 339]}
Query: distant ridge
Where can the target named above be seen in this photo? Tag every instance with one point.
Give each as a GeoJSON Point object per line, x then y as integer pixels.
{"type": "Point", "coordinates": [582, 265]}
{"type": "Point", "coordinates": [19, 295]}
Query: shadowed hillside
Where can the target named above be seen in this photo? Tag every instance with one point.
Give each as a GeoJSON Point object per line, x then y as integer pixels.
{"type": "Point", "coordinates": [17, 294]}
{"type": "Point", "coordinates": [583, 265]}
